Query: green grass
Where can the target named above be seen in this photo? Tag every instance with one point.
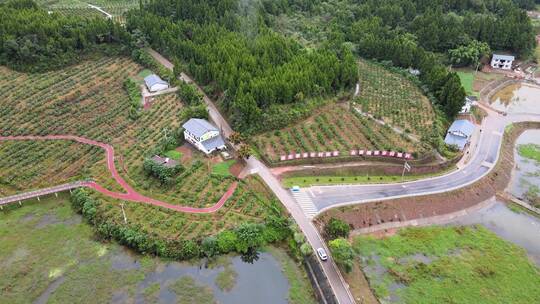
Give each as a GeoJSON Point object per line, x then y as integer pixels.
{"type": "Point", "coordinates": [300, 290]}
{"type": "Point", "coordinates": [173, 154]}
{"type": "Point", "coordinates": [467, 79]}
{"type": "Point", "coordinates": [44, 241]}
{"type": "Point", "coordinates": [226, 279]}
{"type": "Point", "coordinates": [468, 265]}
{"type": "Point", "coordinates": [531, 151]}
{"type": "Point", "coordinates": [189, 291]}
{"type": "Point", "coordinates": [307, 181]}
{"type": "Point", "coordinates": [223, 168]}
{"type": "Point", "coordinates": [144, 73]}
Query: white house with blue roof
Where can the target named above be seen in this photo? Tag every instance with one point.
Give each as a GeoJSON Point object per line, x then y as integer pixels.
{"type": "Point", "coordinates": [459, 134]}
{"type": "Point", "coordinates": [203, 135]}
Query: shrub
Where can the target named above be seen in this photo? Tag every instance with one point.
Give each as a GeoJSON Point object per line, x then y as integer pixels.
{"type": "Point", "coordinates": [336, 228]}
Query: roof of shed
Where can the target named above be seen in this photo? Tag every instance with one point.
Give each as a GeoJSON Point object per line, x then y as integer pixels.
{"type": "Point", "coordinates": [463, 126]}
{"type": "Point", "coordinates": [153, 79]}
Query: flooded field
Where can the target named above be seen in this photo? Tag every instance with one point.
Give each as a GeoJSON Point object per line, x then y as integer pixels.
{"type": "Point", "coordinates": [49, 255]}
{"type": "Point", "coordinates": [521, 229]}
{"type": "Point", "coordinates": [525, 183]}
{"type": "Point", "coordinates": [517, 98]}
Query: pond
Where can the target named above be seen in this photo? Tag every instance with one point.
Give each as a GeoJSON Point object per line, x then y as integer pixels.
{"type": "Point", "coordinates": [260, 282]}
{"type": "Point", "coordinates": [525, 181]}
{"type": "Point", "coordinates": [64, 263]}
{"type": "Point", "coordinates": [517, 98]}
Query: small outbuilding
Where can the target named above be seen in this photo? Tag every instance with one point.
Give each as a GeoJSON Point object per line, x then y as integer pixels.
{"type": "Point", "coordinates": [203, 135]}
{"type": "Point", "coordinates": [469, 102]}
{"type": "Point", "coordinates": [155, 84]}
{"type": "Point", "coordinates": [459, 134]}
{"type": "Point", "coordinates": [503, 62]}
{"type": "Point", "coordinates": [165, 161]}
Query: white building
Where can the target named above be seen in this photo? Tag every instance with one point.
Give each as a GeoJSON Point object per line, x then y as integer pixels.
{"type": "Point", "coordinates": [502, 61]}
{"type": "Point", "coordinates": [154, 83]}
{"type": "Point", "coordinates": [469, 102]}
{"type": "Point", "coordinates": [203, 135]}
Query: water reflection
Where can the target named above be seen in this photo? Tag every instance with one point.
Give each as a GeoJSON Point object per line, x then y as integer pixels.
{"type": "Point", "coordinates": [518, 98]}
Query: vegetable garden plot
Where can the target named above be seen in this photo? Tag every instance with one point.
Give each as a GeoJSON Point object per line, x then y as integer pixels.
{"type": "Point", "coordinates": [395, 99]}
{"type": "Point", "coordinates": [334, 128]}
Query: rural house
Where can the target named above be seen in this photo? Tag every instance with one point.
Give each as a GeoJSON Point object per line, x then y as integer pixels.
{"type": "Point", "coordinates": [203, 135]}
{"type": "Point", "coordinates": [502, 61]}
{"type": "Point", "coordinates": [459, 134]}
{"type": "Point", "coordinates": [155, 84]}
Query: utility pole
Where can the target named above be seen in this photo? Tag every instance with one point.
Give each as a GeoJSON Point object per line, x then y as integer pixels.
{"type": "Point", "coordinates": [124, 213]}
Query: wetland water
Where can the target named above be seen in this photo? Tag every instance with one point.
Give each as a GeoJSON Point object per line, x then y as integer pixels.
{"type": "Point", "coordinates": [526, 174]}
{"type": "Point", "coordinates": [518, 98]}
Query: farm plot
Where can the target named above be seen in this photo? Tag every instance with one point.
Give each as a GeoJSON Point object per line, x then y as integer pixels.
{"type": "Point", "coordinates": [117, 8]}
{"type": "Point", "coordinates": [395, 99]}
{"type": "Point", "coordinates": [251, 202]}
{"type": "Point", "coordinates": [333, 128]}
{"type": "Point", "coordinates": [88, 100]}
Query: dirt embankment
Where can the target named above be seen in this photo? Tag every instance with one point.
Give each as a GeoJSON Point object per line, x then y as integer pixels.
{"type": "Point", "coordinates": [406, 209]}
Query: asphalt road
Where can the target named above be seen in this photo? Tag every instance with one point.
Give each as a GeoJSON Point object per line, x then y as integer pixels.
{"type": "Point", "coordinates": [337, 283]}
{"type": "Point", "coordinates": [484, 158]}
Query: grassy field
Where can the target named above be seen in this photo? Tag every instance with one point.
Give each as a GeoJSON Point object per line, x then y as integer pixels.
{"type": "Point", "coordinates": [467, 79]}
{"type": "Point", "coordinates": [48, 249]}
{"type": "Point", "coordinates": [531, 151]}
{"type": "Point", "coordinates": [448, 265]}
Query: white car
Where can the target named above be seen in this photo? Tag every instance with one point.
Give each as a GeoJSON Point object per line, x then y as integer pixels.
{"type": "Point", "coordinates": [295, 189]}
{"type": "Point", "coordinates": [322, 254]}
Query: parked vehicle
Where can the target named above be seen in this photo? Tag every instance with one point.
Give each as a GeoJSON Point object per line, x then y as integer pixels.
{"type": "Point", "coordinates": [295, 189]}
{"type": "Point", "coordinates": [322, 254]}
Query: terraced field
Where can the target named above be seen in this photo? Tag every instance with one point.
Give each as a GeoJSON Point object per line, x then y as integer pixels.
{"type": "Point", "coordinates": [395, 99]}
{"type": "Point", "coordinates": [117, 8]}
{"type": "Point", "coordinates": [88, 100]}
{"type": "Point", "coordinates": [385, 96]}
{"type": "Point", "coordinates": [333, 128]}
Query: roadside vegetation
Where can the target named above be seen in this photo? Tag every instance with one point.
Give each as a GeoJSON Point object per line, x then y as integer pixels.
{"type": "Point", "coordinates": [530, 151]}
{"type": "Point", "coordinates": [436, 264]}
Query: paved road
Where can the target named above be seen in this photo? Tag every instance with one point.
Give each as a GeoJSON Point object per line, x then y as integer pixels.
{"type": "Point", "coordinates": [484, 158]}
{"type": "Point", "coordinates": [337, 283]}
{"type": "Point", "coordinates": [130, 194]}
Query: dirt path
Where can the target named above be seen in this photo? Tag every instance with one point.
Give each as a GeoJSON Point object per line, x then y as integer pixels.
{"type": "Point", "coordinates": [131, 194]}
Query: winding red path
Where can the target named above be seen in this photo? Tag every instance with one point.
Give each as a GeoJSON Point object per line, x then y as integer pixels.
{"type": "Point", "coordinates": [131, 194]}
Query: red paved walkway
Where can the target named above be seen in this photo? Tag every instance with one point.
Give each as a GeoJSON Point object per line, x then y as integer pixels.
{"type": "Point", "coordinates": [131, 194]}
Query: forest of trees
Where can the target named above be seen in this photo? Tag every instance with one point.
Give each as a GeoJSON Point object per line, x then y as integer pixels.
{"type": "Point", "coordinates": [415, 33]}
{"type": "Point", "coordinates": [253, 67]}
{"type": "Point", "coordinates": [31, 39]}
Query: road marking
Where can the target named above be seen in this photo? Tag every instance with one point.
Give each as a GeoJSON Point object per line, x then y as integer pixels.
{"type": "Point", "coordinates": [497, 133]}
{"type": "Point", "coordinates": [305, 202]}
{"type": "Point", "coordinates": [487, 164]}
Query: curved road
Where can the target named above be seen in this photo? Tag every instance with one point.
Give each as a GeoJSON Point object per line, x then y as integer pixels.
{"type": "Point", "coordinates": [131, 194]}
{"type": "Point", "coordinates": [483, 160]}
